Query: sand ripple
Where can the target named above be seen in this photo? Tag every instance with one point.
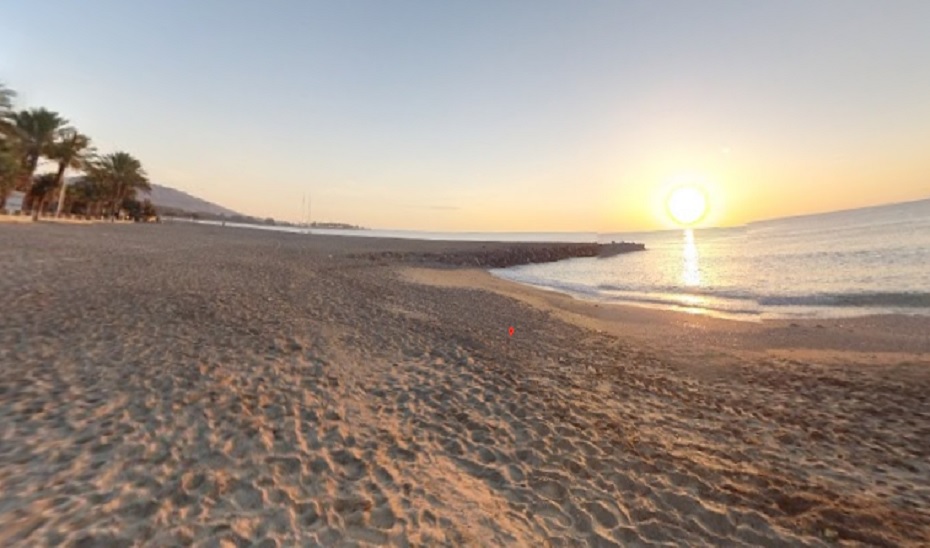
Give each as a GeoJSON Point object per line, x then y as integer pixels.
{"type": "Point", "coordinates": [196, 388]}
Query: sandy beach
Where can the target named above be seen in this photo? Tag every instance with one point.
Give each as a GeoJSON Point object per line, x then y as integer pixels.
{"type": "Point", "coordinates": [174, 384]}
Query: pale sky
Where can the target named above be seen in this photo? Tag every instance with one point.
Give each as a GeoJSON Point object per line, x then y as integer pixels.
{"type": "Point", "coordinates": [504, 115]}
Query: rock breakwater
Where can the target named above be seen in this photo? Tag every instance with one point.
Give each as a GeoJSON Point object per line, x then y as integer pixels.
{"type": "Point", "coordinates": [502, 255]}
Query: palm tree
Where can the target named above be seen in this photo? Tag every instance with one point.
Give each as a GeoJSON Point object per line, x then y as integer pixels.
{"type": "Point", "coordinates": [88, 195]}
{"type": "Point", "coordinates": [37, 129]}
{"type": "Point", "coordinates": [42, 187]}
{"type": "Point", "coordinates": [10, 153]}
{"type": "Point", "coordinates": [11, 167]}
{"type": "Point", "coordinates": [73, 151]}
{"type": "Point", "coordinates": [121, 174]}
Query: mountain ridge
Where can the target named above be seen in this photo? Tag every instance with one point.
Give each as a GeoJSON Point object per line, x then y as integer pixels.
{"type": "Point", "coordinates": [171, 198]}
{"type": "Point", "coordinates": [166, 197]}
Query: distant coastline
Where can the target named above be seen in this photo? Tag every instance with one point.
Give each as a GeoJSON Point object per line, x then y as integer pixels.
{"type": "Point", "coordinates": [170, 213]}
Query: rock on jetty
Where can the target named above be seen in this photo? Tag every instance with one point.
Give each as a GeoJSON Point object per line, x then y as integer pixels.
{"type": "Point", "coordinates": [502, 255]}
{"type": "Point", "coordinates": [616, 248]}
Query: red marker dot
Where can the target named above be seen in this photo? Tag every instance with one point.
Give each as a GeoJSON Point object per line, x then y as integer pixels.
{"type": "Point", "coordinates": [510, 331]}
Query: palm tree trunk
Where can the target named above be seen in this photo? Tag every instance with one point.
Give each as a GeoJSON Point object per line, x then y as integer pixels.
{"type": "Point", "coordinates": [60, 178]}
{"type": "Point", "coordinates": [118, 202]}
{"type": "Point", "coordinates": [32, 162]}
{"type": "Point", "coordinates": [36, 208]}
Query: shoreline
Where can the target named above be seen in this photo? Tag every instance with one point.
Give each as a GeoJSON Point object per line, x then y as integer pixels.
{"type": "Point", "coordinates": [186, 385]}
{"type": "Point", "coordinates": [723, 315]}
{"type": "Point", "coordinates": [886, 338]}
{"type": "Point", "coordinates": [794, 313]}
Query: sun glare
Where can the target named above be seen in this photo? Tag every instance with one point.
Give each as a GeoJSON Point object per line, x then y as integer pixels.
{"type": "Point", "coordinates": [687, 205]}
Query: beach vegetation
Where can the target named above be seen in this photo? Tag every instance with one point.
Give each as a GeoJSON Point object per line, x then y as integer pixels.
{"type": "Point", "coordinates": [72, 151]}
{"type": "Point", "coordinates": [11, 168]}
{"type": "Point", "coordinates": [86, 197]}
{"type": "Point", "coordinates": [42, 188]}
{"type": "Point", "coordinates": [36, 130]}
{"type": "Point", "coordinates": [10, 151]}
{"type": "Point", "coordinates": [121, 176]}
{"type": "Point", "coordinates": [139, 210]}
{"type": "Point", "coordinates": [31, 137]}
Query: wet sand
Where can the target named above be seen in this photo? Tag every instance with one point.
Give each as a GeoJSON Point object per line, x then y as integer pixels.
{"type": "Point", "coordinates": [178, 384]}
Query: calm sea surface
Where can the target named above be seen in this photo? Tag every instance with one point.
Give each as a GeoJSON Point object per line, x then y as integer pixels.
{"type": "Point", "coordinates": [423, 235]}
{"type": "Point", "coordinates": [865, 261]}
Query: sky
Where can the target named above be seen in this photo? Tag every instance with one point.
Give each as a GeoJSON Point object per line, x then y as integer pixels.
{"type": "Point", "coordinates": [497, 116]}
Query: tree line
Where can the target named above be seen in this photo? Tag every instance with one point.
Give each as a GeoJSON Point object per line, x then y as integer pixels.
{"type": "Point", "coordinates": [110, 184]}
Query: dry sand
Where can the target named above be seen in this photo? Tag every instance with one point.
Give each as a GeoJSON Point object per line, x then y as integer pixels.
{"type": "Point", "coordinates": [177, 384]}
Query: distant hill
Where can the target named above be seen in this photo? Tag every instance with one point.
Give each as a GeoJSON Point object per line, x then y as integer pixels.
{"type": "Point", "coordinates": [164, 197]}
{"type": "Point", "coordinates": [171, 202]}
{"type": "Point", "coordinates": [174, 200]}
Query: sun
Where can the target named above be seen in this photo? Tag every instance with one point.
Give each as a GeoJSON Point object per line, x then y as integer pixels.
{"type": "Point", "coordinates": [687, 205]}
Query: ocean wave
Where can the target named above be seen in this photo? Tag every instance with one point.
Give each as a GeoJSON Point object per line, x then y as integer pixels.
{"type": "Point", "coordinates": [679, 290]}
{"type": "Point", "coordinates": [852, 263]}
{"type": "Point", "coordinates": [891, 299]}
{"type": "Point", "coordinates": [737, 302]}
{"type": "Point", "coordinates": [682, 301]}
{"type": "Point", "coordinates": [869, 299]}
{"type": "Point", "coordinates": [564, 287]}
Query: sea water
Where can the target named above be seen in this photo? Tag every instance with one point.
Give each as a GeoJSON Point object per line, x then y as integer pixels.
{"type": "Point", "coordinates": [858, 262]}
{"type": "Point", "coordinates": [866, 261]}
{"type": "Point", "coordinates": [575, 237]}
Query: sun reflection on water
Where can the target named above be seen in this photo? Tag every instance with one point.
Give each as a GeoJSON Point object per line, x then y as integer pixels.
{"type": "Point", "coordinates": [691, 276]}
{"type": "Point", "coordinates": [691, 273]}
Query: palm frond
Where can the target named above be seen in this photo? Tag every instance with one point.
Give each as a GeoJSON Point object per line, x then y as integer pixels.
{"type": "Point", "coordinates": [37, 129]}
{"type": "Point", "coordinates": [120, 173]}
{"type": "Point", "coordinates": [71, 150]}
